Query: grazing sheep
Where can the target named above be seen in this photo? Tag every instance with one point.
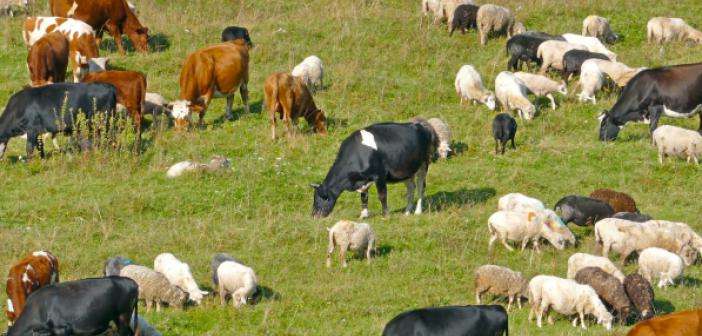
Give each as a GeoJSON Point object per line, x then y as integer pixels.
{"type": "Point", "coordinates": [658, 263]}
{"type": "Point", "coordinates": [502, 281]}
{"type": "Point", "coordinates": [352, 236]}
{"type": "Point", "coordinates": [679, 142]}
{"type": "Point", "coordinates": [494, 18]}
{"type": "Point", "coordinates": [591, 81]}
{"type": "Point", "coordinates": [633, 216]}
{"type": "Point", "coordinates": [598, 26]}
{"type": "Point", "coordinates": [448, 9]}
{"type": "Point", "coordinates": [619, 201]}
{"type": "Point", "coordinates": [311, 71]}
{"type": "Point", "coordinates": [434, 7]}
{"type": "Point", "coordinates": [522, 48]}
{"type": "Point", "coordinates": [217, 260]}
{"type": "Point", "coordinates": [662, 29]}
{"type": "Point", "coordinates": [178, 274]}
{"type": "Point", "coordinates": [464, 18]}
{"type": "Point", "coordinates": [504, 128]}
{"type": "Point", "coordinates": [573, 61]}
{"type": "Point", "coordinates": [578, 261]}
{"type": "Point", "coordinates": [591, 43]}
{"type": "Point", "coordinates": [608, 288]}
{"type": "Point", "coordinates": [551, 54]}
{"type": "Point", "coordinates": [518, 28]}
{"type": "Point", "coordinates": [522, 227]}
{"type": "Point", "coordinates": [511, 92]}
{"type": "Point", "coordinates": [641, 295]}
{"type": "Point", "coordinates": [682, 231]}
{"type": "Point", "coordinates": [542, 86]}
{"type": "Point", "coordinates": [469, 87]}
{"type": "Point", "coordinates": [154, 287]}
{"type": "Point", "coordinates": [444, 135]}
{"type": "Point", "coordinates": [583, 211]}
{"type": "Point", "coordinates": [114, 264]}
{"type": "Point", "coordinates": [156, 105]}
{"type": "Point", "coordinates": [236, 280]}
{"type": "Point", "coordinates": [216, 162]}
{"type": "Point", "coordinates": [523, 203]}
{"type": "Point", "coordinates": [620, 73]}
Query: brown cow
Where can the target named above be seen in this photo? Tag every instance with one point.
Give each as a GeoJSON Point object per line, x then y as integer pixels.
{"type": "Point", "coordinates": [289, 96]}
{"type": "Point", "coordinates": [113, 15]}
{"type": "Point", "coordinates": [47, 59]}
{"type": "Point", "coordinates": [217, 70]}
{"type": "Point", "coordinates": [676, 324]}
{"type": "Point", "coordinates": [34, 271]}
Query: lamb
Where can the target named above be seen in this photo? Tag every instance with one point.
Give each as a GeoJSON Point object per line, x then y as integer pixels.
{"type": "Point", "coordinates": [620, 73]}
{"type": "Point", "coordinates": [566, 297]}
{"type": "Point", "coordinates": [542, 86]}
{"type": "Point", "coordinates": [608, 288]}
{"type": "Point", "coordinates": [504, 128]}
{"type": "Point", "coordinates": [522, 227]}
{"type": "Point", "coordinates": [156, 104]}
{"type": "Point", "coordinates": [217, 260]}
{"type": "Point", "coordinates": [551, 54]}
{"type": "Point", "coordinates": [633, 216]}
{"type": "Point", "coordinates": [591, 81]}
{"type": "Point", "coordinates": [502, 281]}
{"type": "Point", "coordinates": [522, 48]}
{"type": "Point", "coordinates": [236, 280]}
{"type": "Point", "coordinates": [573, 60]}
{"type": "Point", "coordinates": [591, 43]}
{"type": "Point", "coordinates": [464, 18]}
{"type": "Point", "coordinates": [469, 87]}
{"type": "Point", "coordinates": [350, 236]}
{"type": "Point", "coordinates": [494, 18]}
{"type": "Point", "coordinates": [115, 264]}
{"type": "Point", "coordinates": [511, 92]}
{"type": "Point", "coordinates": [679, 142]}
{"type": "Point", "coordinates": [178, 274]}
{"type": "Point", "coordinates": [583, 211]}
{"type": "Point", "coordinates": [598, 26]}
{"type": "Point", "coordinates": [578, 261]}
{"type": "Point", "coordinates": [311, 71]}
{"type": "Point", "coordinates": [658, 263]}
{"type": "Point", "coordinates": [217, 162]}
{"type": "Point", "coordinates": [641, 295]}
{"type": "Point", "coordinates": [662, 29]}
{"type": "Point", "coordinates": [619, 201]}
{"type": "Point", "coordinates": [154, 287]}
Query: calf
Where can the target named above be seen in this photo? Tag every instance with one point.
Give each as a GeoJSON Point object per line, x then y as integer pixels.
{"type": "Point", "coordinates": [81, 307]}
{"type": "Point", "coordinates": [235, 33]}
{"type": "Point", "coordinates": [451, 320]}
{"type": "Point", "coordinates": [36, 270]}
{"type": "Point", "coordinates": [504, 128]}
{"type": "Point", "coordinates": [47, 60]}
{"type": "Point", "coordinates": [289, 96]}
{"type": "Point", "coordinates": [687, 322]}
{"type": "Point", "coordinates": [583, 211]}
{"type": "Point", "coordinates": [573, 60]}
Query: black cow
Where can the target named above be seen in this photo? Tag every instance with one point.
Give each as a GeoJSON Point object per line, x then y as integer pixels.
{"type": "Point", "coordinates": [235, 33]}
{"type": "Point", "coordinates": [583, 211]}
{"type": "Point", "coordinates": [37, 110]}
{"type": "Point", "coordinates": [115, 264]}
{"type": "Point", "coordinates": [574, 59]}
{"type": "Point", "coordinates": [632, 216]}
{"type": "Point", "coordinates": [478, 320]}
{"type": "Point", "coordinates": [522, 48]}
{"type": "Point", "coordinates": [675, 91]}
{"type": "Point", "coordinates": [217, 260]}
{"type": "Point", "coordinates": [504, 128]}
{"type": "Point", "coordinates": [464, 18]}
{"type": "Point", "coordinates": [381, 153]}
{"type": "Point", "coordinates": [81, 307]}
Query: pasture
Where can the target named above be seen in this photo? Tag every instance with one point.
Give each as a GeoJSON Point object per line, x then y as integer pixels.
{"type": "Point", "coordinates": [383, 62]}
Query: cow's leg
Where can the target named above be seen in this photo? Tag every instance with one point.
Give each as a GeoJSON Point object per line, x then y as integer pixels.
{"type": "Point", "coordinates": [364, 204]}
{"type": "Point", "coordinates": [40, 146]}
{"type": "Point", "coordinates": [411, 186]}
{"type": "Point", "coordinates": [654, 113]}
{"type": "Point", "coordinates": [244, 91]}
{"type": "Point", "coordinates": [421, 184]}
{"type": "Point", "coordinates": [271, 117]}
{"type": "Point", "coordinates": [230, 100]}
{"type": "Point", "coordinates": [116, 33]}
{"type": "Point", "coordinates": [504, 144]}
{"type": "Point", "coordinates": [496, 146]}
{"type": "Point", "coordinates": [513, 146]}
{"type": "Point", "coordinates": [383, 195]}
{"type": "Point", "coordinates": [31, 143]}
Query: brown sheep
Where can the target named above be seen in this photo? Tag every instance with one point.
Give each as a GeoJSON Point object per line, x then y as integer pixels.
{"type": "Point", "coordinates": [608, 288]}
{"type": "Point", "coordinates": [501, 281]}
{"type": "Point", "coordinates": [619, 201]}
{"type": "Point", "coordinates": [641, 294]}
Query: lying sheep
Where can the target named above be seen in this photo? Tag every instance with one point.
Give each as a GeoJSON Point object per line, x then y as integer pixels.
{"type": "Point", "coordinates": [591, 43]}
{"type": "Point", "coordinates": [578, 261]}
{"type": "Point", "coordinates": [311, 71]}
{"type": "Point", "coordinates": [573, 61]}
{"type": "Point", "coordinates": [542, 86]}
{"type": "Point", "coordinates": [632, 216]}
{"type": "Point", "coordinates": [591, 81]}
{"type": "Point", "coordinates": [620, 73]}
{"type": "Point", "coordinates": [154, 287]}
{"type": "Point", "coordinates": [464, 18]}
{"type": "Point", "coordinates": [511, 92]}
{"type": "Point", "coordinates": [608, 288]}
{"type": "Point", "coordinates": [551, 54]}
{"type": "Point", "coordinates": [178, 274]}
{"type": "Point", "coordinates": [662, 29]}
{"type": "Point", "coordinates": [504, 129]}
{"type": "Point", "coordinates": [658, 263]}
{"type": "Point", "coordinates": [641, 295]}
{"type": "Point", "coordinates": [501, 281]}
{"type": "Point", "coordinates": [583, 211]}
{"type": "Point", "coordinates": [522, 48]}
{"type": "Point", "coordinates": [494, 18]}
{"type": "Point", "coordinates": [522, 227]}
{"type": "Point", "coordinates": [619, 201]}
{"type": "Point", "coordinates": [237, 281]}
{"type": "Point", "coordinates": [679, 142]}
{"type": "Point", "coordinates": [156, 105]}
{"type": "Point", "coordinates": [598, 26]}
{"type": "Point", "coordinates": [352, 236]}
{"type": "Point", "coordinates": [469, 87]}
{"type": "Point", "coordinates": [216, 162]}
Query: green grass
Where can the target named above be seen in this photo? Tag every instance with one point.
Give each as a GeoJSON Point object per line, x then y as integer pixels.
{"type": "Point", "coordinates": [383, 64]}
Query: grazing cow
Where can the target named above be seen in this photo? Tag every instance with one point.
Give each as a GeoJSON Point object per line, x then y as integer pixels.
{"type": "Point", "coordinates": [673, 91]}
{"type": "Point", "coordinates": [47, 59]}
{"type": "Point", "coordinates": [687, 322]}
{"type": "Point", "coordinates": [289, 96]}
{"type": "Point", "coordinates": [81, 307]}
{"type": "Point", "coordinates": [81, 39]}
{"type": "Point", "coordinates": [113, 15]}
{"type": "Point", "coordinates": [233, 33]}
{"type": "Point", "coordinates": [36, 110]}
{"type": "Point", "coordinates": [450, 321]}
{"type": "Point", "coordinates": [381, 153]}
{"type": "Point", "coordinates": [217, 70]}
{"type": "Point", "coordinates": [36, 270]}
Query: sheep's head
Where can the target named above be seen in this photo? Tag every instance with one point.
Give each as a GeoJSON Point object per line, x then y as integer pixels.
{"type": "Point", "coordinates": [688, 254]}
{"type": "Point", "coordinates": [529, 112]}
{"type": "Point", "coordinates": [444, 150]}
{"type": "Point", "coordinates": [563, 88]}
{"type": "Point", "coordinates": [489, 101]}
{"type": "Point", "coordinates": [605, 319]}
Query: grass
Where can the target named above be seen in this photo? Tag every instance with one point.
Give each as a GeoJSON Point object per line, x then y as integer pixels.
{"type": "Point", "coordinates": [383, 63]}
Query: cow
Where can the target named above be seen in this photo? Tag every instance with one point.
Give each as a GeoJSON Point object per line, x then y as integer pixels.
{"type": "Point", "coordinates": [487, 320]}
{"type": "Point", "coordinates": [37, 110]}
{"type": "Point", "coordinates": [36, 270]}
{"type": "Point", "coordinates": [81, 39]}
{"type": "Point", "coordinates": [81, 307]}
{"type": "Point", "coordinates": [289, 96]}
{"type": "Point", "coordinates": [673, 91]}
{"type": "Point", "coordinates": [47, 60]}
{"type": "Point", "coordinates": [115, 16]}
{"type": "Point", "coordinates": [233, 33]}
{"type": "Point", "coordinates": [216, 70]}
{"type": "Point", "coordinates": [381, 153]}
{"type": "Point", "coordinates": [687, 322]}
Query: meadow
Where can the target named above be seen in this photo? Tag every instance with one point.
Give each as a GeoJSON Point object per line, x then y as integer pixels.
{"type": "Point", "coordinates": [383, 62]}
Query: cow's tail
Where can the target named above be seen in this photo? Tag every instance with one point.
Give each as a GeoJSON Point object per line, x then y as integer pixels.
{"type": "Point", "coordinates": [135, 318]}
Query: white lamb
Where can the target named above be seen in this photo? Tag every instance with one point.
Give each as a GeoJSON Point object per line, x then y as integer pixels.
{"type": "Point", "coordinates": [542, 86]}
{"type": "Point", "coordinates": [352, 236]}
{"type": "Point", "coordinates": [236, 280]}
{"type": "Point", "coordinates": [663, 29]}
{"type": "Point", "coordinates": [444, 134]}
{"type": "Point", "coordinates": [511, 92]}
{"type": "Point", "coordinates": [591, 43]}
{"type": "Point", "coordinates": [551, 53]}
{"type": "Point", "coordinates": [178, 273]}
{"type": "Point", "coordinates": [591, 81]}
{"type": "Point", "coordinates": [311, 71]}
{"type": "Point", "coordinates": [678, 142]}
{"type": "Point", "coordinates": [523, 227]}
{"type": "Point", "coordinates": [619, 72]}
{"type": "Point", "coordinates": [469, 87]}
{"type": "Point", "coordinates": [578, 261]}
{"type": "Point", "coordinates": [494, 18]}
{"type": "Point", "coordinates": [598, 26]}
{"type": "Point", "coordinates": [658, 263]}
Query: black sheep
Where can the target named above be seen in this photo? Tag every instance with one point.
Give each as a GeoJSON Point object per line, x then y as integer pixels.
{"type": "Point", "coordinates": [641, 295]}
{"type": "Point", "coordinates": [633, 216]}
{"type": "Point", "coordinates": [504, 128]}
{"type": "Point", "coordinates": [583, 211]}
{"type": "Point", "coordinates": [464, 18]}
{"type": "Point", "coordinates": [574, 59]}
{"type": "Point", "coordinates": [522, 48]}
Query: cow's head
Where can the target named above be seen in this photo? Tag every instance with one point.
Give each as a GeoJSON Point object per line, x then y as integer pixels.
{"type": "Point", "coordinates": [180, 110]}
{"type": "Point", "coordinates": [140, 39]}
{"type": "Point", "coordinates": [320, 123]}
{"type": "Point", "coordinates": [324, 201]}
{"type": "Point", "coordinates": [608, 129]}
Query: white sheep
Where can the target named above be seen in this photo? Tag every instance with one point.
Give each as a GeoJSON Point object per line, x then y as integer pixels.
{"type": "Point", "coordinates": [678, 142]}
{"type": "Point", "coordinates": [619, 72]}
{"type": "Point", "coordinates": [681, 230]}
{"type": "Point", "coordinates": [609, 236]}
{"type": "Point", "coordinates": [578, 261]}
{"type": "Point", "coordinates": [658, 263]}
{"type": "Point", "coordinates": [154, 287]}
{"type": "Point", "coordinates": [591, 81]}
{"type": "Point", "coordinates": [178, 273]}
{"type": "Point", "coordinates": [469, 87]}
{"type": "Point", "coordinates": [216, 162]}
{"type": "Point", "coordinates": [551, 54]}
{"type": "Point", "coordinates": [494, 18]}
{"type": "Point", "coordinates": [498, 280]}
{"type": "Point", "coordinates": [155, 104]}
{"type": "Point", "coordinates": [433, 7]}
{"type": "Point", "coordinates": [523, 227]}
{"type": "Point", "coordinates": [444, 134]}
{"type": "Point", "coordinates": [598, 26]}
{"type": "Point", "coordinates": [236, 280]}
{"type": "Point", "coordinates": [663, 29]}
{"type": "Point", "coordinates": [522, 203]}
{"type": "Point", "coordinates": [591, 43]}
{"type": "Point", "coordinates": [352, 236]}
{"type": "Point", "coordinates": [511, 92]}
{"type": "Point", "coordinates": [542, 86]}
{"type": "Point", "coordinates": [311, 70]}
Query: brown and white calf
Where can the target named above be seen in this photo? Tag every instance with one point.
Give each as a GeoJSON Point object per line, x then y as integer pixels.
{"type": "Point", "coordinates": [34, 271]}
{"type": "Point", "coordinates": [288, 95]}
{"type": "Point", "coordinates": [47, 59]}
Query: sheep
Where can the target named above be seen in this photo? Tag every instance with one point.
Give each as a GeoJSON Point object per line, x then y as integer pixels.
{"type": "Point", "coordinates": [662, 29]}
{"type": "Point", "coordinates": [620, 73]}
{"type": "Point", "coordinates": [236, 280]}
{"type": "Point", "coordinates": [658, 263]}
{"type": "Point", "coordinates": [511, 92]}
{"type": "Point", "coordinates": [566, 297]}
{"type": "Point", "coordinates": [442, 131]}
{"type": "Point", "coordinates": [154, 287]}
{"type": "Point", "coordinates": [464, 18]}
{"type": "Point", "coordinates": [641, 295]}
{"type": "Point", "coordinates": [114, 264]}
{"type": "Point", "coordinates": [598, 26]}
{"type": "Point", "coordinates": [582, 211]}
{"type": "Point", "coordinates": [494, 18]}
{"type": "Point", "coordinates": [591, 43]}
{"type": "Point", "coordinates": [352, 236]}
{"type": "Point", "coordinates": [619, 201]}
{"type": "Point", "coordinates": [217, 260]}
{"type": "Point", "coordinates": [681, 231]}
{"type": "Point", "coordinates": [469, 87]}
{"type": "Point", "coordinates": [433, 6]}
{"type": "Point", "coordinates": [12, 7]}
{"type": "Point", "coordinates": [156, 104]}
{"type": "Point", "coordinates": [523, 203]}
{"type": "Point", "coordinates": [551, 54]}
{"type": "Point", "coordinates": [518, 28]}
{"type": "Point", "coordinates": [178, 274]}
{"type": "Point", "coordinates": [498, 280]}
{"type": "Point", "coordinates": [578, 261]}
{"type": "Point", "coordinates": [608, 288]}
{"type": "Point", "coordinates": [504, 129]}
{"type": "Point", "coordinates": [679, 142]}
{"type": "Point", "coordinates": [633, 216]}
{"type": "Point", "coordinates": [311, 71]}
{"type": "Point", "coordinates": [573, 60]}
{"type": "Point", "coordinates": [591, 81]}
{"type": "Point", "coordinates": [448, 9]}
{"type": "Point", "coordinates": [522, 48]}
{"type": "Point", "coordinates": [542, 86]}
{"type": "Point", "coordinates": [522, 227]}
{"type": "Point", "coordinates": [216, 162]}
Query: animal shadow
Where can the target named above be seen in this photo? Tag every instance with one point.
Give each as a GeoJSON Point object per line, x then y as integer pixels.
{"type": "Point", "coordinates": [237, 112]}
{"type": "Point", "coordinates": [460, 197]}
{"type": "Point", "coordinates": [108, 44]}
{"type": "Point", "coordinates": [382, 250]}
{"type": "Point", "coordinates": [688, 281]}
{"type": "Point", "coordinates": [457, 148]}
{"type": "Point", "coordinates": [337, 122]}
{"type": "Point", "coordinates": [663, 307]}
{"type": "Point", "coordinates": [266, 293]}
{"type": "Point", "coordinates": [159, 42]}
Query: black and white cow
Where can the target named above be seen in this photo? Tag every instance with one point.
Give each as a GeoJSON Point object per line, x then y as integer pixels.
{"type": "Point", "coordinates": [674, 91]}
{"type": "Point", "coordinates": [235, 33]}
{"type": "Point", "coordinates": [483, 320]}
{"type": "Point", "coordinates": [81, 307]}
{"type": "Point", "coordinates": [37, 110]}
{"type": "Point", "coordinates": [381, 154]}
